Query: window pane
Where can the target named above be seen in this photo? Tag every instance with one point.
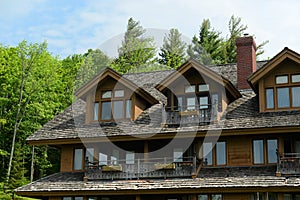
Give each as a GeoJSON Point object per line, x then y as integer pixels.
{"type": "Point", "coordinates": [296, 96]}
{"type": "Point", "coordinates": [272, 146]}
{"type": "Point", "coordinates": [78, 198]}
{"type": "Point", "coordinates": [221, 153]}
{"type": "Point", "coordinates": [115, 157]}
{"type": "Point", "coordinates": [106, 111]}
{"type": "Point", "coordinates": [67, 198]}
{"type": "Point", "coordinates": [270, 98]}
{"type": "Point", "coordinates": [203, 101]}
{"type": "Point", "coordinates": [283, 97]}
{"type": "Point", "coordinates": [90, 154]}
{"type": "Point", "coordinates": [281, 79]}
{"type": "Point", "coordinates": [106, 94]}
{"type": "Point", "coordinates": [207, 153]}
{"type": "Point", "coordinates": [189, 88]}
{"type": "Point", "coordinates": [118, 109]}
{"type": "Point", "coordinates": [128, 108]}
{"type": "Point", "coordinates": [296, 78]}
{"type": "Point", "coordinates": [96, 110]}
{"type": "Point", "coordinates": [216, 197]}
{"type": "Point", "coordinates": [203, 88]}
{"type": "Point", "coordinates": [179, 100]}
{"type": "Point", "coordinates": [129, 157]}
{"type": "Point", "coordinates": [102, 159]}
{"type": "Point", "coordinates": [203, 197]}
{"type": "Point", "coordinates": [119, 93]}
{"type": "Point", "coordinates": [177, 155]}
{"type": "Point", "coordinates": [78, 159]}
{"type": "Point", "coordinates": [258, 151]}
{"type": "Point", "coordinates": [287, 197]}
{"type": "Point", "coordinates": [191, 103]}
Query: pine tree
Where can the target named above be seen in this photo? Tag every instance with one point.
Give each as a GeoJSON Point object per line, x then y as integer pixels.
{"type": "Point", "coordinates": [173, 50]}
{"type": "Point", "coordinates": [136, 50]}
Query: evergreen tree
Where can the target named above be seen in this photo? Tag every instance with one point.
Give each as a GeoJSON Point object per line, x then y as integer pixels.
{"type": "Point", "coordinates": [173, 50]}
{"type": "Point", "coordinates": [208, 47]}
{"type": "Point", "coordinates": [136, 50]}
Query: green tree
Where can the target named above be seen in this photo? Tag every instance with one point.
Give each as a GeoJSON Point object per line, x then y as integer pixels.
{"type": "Point", "coordinates": [211, 48]}
{"type": "Point", "coordinates": [173, 51]}
{"type": "Point", "coordinates": [207, 47]}
{"type": "Point", "coordinates": [136, 50]}
{"type": "Point", "coordinates": [92, 63]}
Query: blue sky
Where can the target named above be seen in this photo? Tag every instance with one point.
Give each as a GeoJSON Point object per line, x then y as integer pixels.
{"type": "Point", "coordinates": [73, 26]}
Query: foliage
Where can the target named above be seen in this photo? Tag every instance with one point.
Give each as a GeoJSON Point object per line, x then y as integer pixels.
{"type": "Point", "coordinates": [211, 48]}
{"type": "Point", "coordinates": [89, 65]}
{"type": "Point", "coordinates": [173, 50]}
{"type": "Point", "coordinates": [136, 50]}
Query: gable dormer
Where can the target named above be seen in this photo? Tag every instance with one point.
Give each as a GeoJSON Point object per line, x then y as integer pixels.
{"type": "Point", "coordinates": [110, 97]}
{"type": "Point", "coordinates": [198, 91]}
{"type": "Point", "coordinates": [277, 83]}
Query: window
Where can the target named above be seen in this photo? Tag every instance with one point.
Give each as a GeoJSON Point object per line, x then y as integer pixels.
{"type": "Point", "coordinates": [283, 98]}
{"type": "Point", "coordinates": [112, 105]}
{"type": "Point", "coordinates": [177, 155]}
{"type": "Point", "coordinates": [207, 153]}
{"type": "Point", "coordinates": [210, 197]}
{"type": "Point", "coordinates": [106, 110]}
{"type": "Point", "coordinates": [115, 157]}
{"type": "Point", "coordinates": [258, 151]}
{"type": "Point", "coordinates": [90, 155]}
{"type": "Point", "coordinates": [285, 94]}
{"type": "Point", "coordinates": [296, 96]}
{"type": "Point", "coordinates": [214, 155]}
{"type": "Point", "coordinates": [78, 156]}
{"type": "Point", "coordinates": [221, 153]}
{"type": "Point", "coordinates": [282, 79]}
{"type": "Point", "coordinates": [72, 198]}
{"type": "Point", "coordinates": [203, 102]}
{"type": "Point", "coordinates": [296, 78]}
{"type": "Point", "coordinates": [266, 147]}
{"type": "Point", "coordinates": [96, 111]}
{"type": "Point", "coordinates": [129, 157]}
{"type": "Point", "coordinates": [191, 103]}
{"type": "Point", "coordinates": [271, 150]}
{"type": "Point", "coordinates": [118, 109]}
{"type": "Point", "coordinates": [270, 98]}
{"type": "Point", "coordinates": [102, 159]}
{"type": "Point", "coordinates": [203, 88]}
{"type": "Point", "coordinates": [190, 88]}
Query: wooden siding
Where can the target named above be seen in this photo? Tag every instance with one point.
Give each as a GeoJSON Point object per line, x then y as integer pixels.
{"type": "Point", "coordinates": [239, 151]}
{"type": "Point", "coordinates": [66, 158]}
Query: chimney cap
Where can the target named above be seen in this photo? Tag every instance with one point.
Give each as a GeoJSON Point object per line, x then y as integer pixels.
{"type": "Point", "coordinates": [246, 34]}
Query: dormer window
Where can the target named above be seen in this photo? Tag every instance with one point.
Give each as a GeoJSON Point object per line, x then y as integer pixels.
{"type": "Point", "coordinates": [285, 94]}
{"type": "Point", "coordinates": [112, 106]}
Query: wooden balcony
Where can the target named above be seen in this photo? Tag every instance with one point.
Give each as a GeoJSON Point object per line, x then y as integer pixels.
{"type": "Point", "coordinates": [141, 168]}
{"type": "Point", "coordinates": [184, 116]}
{"type": "Point", "coordinates": [288, 164]}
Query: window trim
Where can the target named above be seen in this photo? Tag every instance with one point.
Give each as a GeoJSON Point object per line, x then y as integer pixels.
{"type": "Point", "coordinates": [290, 85]}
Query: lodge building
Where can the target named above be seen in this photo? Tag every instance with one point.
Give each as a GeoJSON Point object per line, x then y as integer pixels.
{"type": "Point", "coordinates": [197, 133]}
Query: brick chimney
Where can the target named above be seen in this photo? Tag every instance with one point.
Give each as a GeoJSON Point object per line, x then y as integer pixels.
{"type": "Point", "coordinates": [246, 60]}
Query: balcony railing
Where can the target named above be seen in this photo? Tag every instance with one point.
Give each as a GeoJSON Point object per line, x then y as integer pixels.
{"type": "Point", "coordinates": [203, 114]}
{"type": "Point", "coordinates": [288, 164]}
{"type": "Point", "coordinates": [141, 168]}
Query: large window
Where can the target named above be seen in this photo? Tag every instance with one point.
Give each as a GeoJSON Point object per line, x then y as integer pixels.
{"type": "Point", "coordinates": [264, 147]}
{"type": "Point", "coordinates": [285, 94]}
{"type": "Point", "coordinates": [78, 159]}
{"type": "Point", "coordinates": [112, 105]}
{"type": "Point", "coordinates": [214, 155]}
{"type": "Point", "coordinates": [210, 197]}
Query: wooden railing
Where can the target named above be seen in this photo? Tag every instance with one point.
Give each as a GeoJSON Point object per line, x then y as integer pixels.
{"type": "Point", "coordinates": [141, 168]}
{"type": "Point", "coordinates": [203, 114]}
{"type": "Point", "coordinates": [288, 163]}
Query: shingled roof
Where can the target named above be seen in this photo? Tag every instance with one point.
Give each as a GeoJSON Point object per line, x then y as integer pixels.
{"type": "Point", "coordinates": [239, 179]}
{"type": "Point", "coordinates": [241, 114]}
